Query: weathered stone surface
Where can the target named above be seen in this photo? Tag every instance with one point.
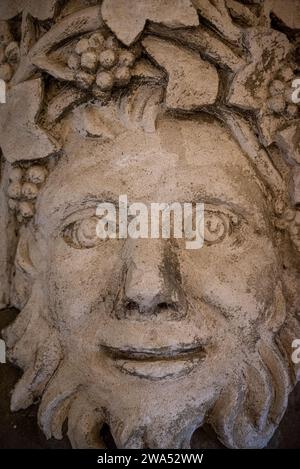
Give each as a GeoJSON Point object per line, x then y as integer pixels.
{"type": "Point", "coordinates": [187, 113]}
{"type": "Point", "coordinates": [144, 69]}
{"type": "Point", "coordinates": [5, 34]}
{"type": "Point", "coordinates": [8, 239]}
{"type": "Point", "coordinates": [296, 187]}
{"type": "Point", "coordinates": [217, 14]}
{"type": "Point", "coordinates": [64, 102]}
{"type": "Point", "coordinates": [268, 49]}
{"type": "Point", "coordinates": [79, 22]}
{"type": "Point", "coordinates": [128, 18]}
{"type": "Point", "coordinates": [28, 39]}
{"type": "Point", "coordinates": [287, 11]}
{"type": "Point", "coordinates": [288, 140]}
{"type": "Point", "coordinates": [251, 88]}
{"type": "Point", "coordinates": [209, 45]}
{"type": "Point", "coordinates": [241, 12]}
{"type": "Point", "coordinates": [11, 8]}
{"type": "Point", "coordinates": [192, 81]}
{"type": "Point", "coordinates": [19, 117]}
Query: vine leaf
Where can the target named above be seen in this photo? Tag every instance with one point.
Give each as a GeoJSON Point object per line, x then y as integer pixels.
{"type": "Point", "coordinates": [193, 82]}
{"type": "Point", "coordinates": [19, 116]}
{"type": "Point", "coordinates": [127, 19]}
{"type": "Point", "coordinates": [11, 8]}
{"type": "Point", "coordinates": [216, 13]}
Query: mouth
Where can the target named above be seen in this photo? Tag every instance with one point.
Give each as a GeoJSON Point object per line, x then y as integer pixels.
{"type": "Point", "coordinates": [157, 363]}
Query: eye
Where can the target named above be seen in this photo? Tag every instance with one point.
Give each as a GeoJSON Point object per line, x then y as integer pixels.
{"type": "Point", "coordinates": [218, 225]}
{"type": "Point", "coordinates": [82, 234]}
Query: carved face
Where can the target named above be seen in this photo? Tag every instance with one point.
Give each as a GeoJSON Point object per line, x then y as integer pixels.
{"type": "Point", "coordinates": [145, 335]}
{"type": "Point", "coordinates": [154, 333]}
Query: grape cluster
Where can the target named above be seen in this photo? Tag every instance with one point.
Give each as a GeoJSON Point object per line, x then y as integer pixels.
{"type": "Point", "coordinates": [101, 64]}
{"type": "Point", "coordinates": [23, 188]}
{"type": "Point", "coordinates": [280, 95]}
{"type": "Point", "coordinates": [9, 58]}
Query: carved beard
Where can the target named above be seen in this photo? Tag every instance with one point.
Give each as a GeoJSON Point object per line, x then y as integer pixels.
{"type": "Point", "coordinates": [244, 414]}
{"type": "Point", "coordinates": [244, 410]}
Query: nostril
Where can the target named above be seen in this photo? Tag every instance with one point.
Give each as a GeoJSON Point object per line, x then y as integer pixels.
{"type": "Point", "coordinates": [106, 437]}
{"type": "Point", "coordinates": [131, 306]}
{"type": "Point", "coordinates": [164, 305]}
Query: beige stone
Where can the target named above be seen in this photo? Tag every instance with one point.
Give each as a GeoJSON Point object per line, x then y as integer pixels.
{"type": "Point", "coordinates": [142, 334]}
{"type": "Point", "coordinates": [128, 18]}
{"type": "Point", "coordinates": [186, 71]}
{"type": "Point", "coordinates": [11, 8]}
{"type": "Point", "coordinates": [287, 11]}
{"type": "Point", "coordinates": [217, 14]}
{"type": "Point", "coordinates": [20, 115]}
{"type": "Point", "coordinates": [288, 140]}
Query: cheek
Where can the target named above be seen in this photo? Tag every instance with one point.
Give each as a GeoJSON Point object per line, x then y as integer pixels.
{"type": "Point", "coordinates": [81, 278]}
{"type": "Point", "coordinates": [238, 281]}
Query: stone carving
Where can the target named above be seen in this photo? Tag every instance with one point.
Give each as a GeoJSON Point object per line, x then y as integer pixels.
{"type": "Point", "coordinates": [9, 53]}
{"type": "Point", "coordinates": [10, 9]}
{"type": "Point", "coordinates": [21, 114]}
{"type": "Point", "coordinates": [169, 101]}
{"type": "Point", "coordinates": [186, 71]}
{"type": "Point", "coordinates": [127, 19]}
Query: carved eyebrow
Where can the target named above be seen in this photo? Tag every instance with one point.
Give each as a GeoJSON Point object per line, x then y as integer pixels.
{"type": "Point", "coordinates": [74, 209]}
{"type": "Point", "coordinates": [240, 210]}
{"type": "Point", "coordinates": [63, 211]}
{"type": "Point", "coordinates": [227, 205]}
{"type": "Point", "coordinates": [90, 201]}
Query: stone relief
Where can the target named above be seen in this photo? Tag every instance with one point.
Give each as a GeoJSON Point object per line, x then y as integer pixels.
{"type": "Point", "coordinates": [161, 100]}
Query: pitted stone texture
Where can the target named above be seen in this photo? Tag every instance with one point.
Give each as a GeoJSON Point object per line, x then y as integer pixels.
{"type": "Point", "coordinates": [20, 115]}
{"type": "Point", "coordinates": [288, 140]}
{"type": "Point", "coordinates": [11, 8]}
{"type": "Point", "coordinates": [287, 11]}
{"type": "Point", "coordinates": [128, 18]}
{"type": "Point", "coordinates": [193, 83]}
{"type": "Point", "coordinates": [268, 49]}
{"type": "Point", "coordinates": [143, 335]}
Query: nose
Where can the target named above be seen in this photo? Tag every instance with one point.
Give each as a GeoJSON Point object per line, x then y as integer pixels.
{"type": "Point", "coordinates": [153, 280]}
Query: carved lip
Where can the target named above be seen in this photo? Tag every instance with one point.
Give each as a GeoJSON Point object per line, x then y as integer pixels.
{"type": "Point", "coordinates": [156, 363]}
{"type": "Point", "coordinates": [152, 354]}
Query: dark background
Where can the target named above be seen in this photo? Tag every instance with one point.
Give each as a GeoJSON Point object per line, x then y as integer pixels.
{"type": "Point", "coordinates": [20, 430]}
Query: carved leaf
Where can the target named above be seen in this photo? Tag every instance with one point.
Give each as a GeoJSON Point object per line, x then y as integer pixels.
{"type": "Point", "coordinates": [241, 12]}
{"type": "Point", "coordinates": [209, 44]}
{"type": "Point", "coordinates": [288, 140]}
{"type": "Point", "coordinates": [217, 15]}
{"type": "Point", "coordinates": [287, 11]}
{"type": "Point", "coordinates": [77, 23]}
{"type": "Point", "coordinates": [250, 86]}
{"type": "Point", "coordinates": [192, 81]}
{"type": "Point", "coordinates": [28, 39]}
{"type": "Point", "coordinates": [11, 8]}
{"type": "Point", "coordinates": [127, 19]}
{"type": "Point", "coordinates": [19, 117]}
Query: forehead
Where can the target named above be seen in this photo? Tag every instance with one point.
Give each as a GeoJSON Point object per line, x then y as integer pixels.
{"type": "Point", "coordinates": [184, 160]}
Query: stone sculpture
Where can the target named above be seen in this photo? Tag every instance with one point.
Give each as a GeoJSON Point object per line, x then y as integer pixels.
{"type": "Point", "coordinates": [161, 100]}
